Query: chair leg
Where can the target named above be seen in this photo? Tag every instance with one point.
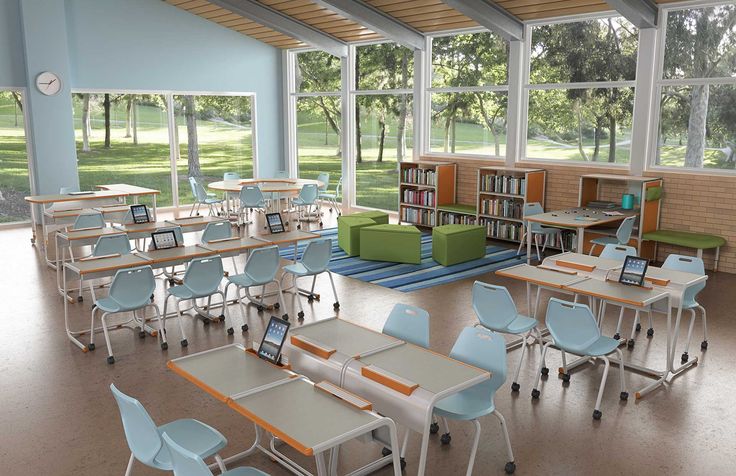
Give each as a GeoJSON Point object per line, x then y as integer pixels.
{"type": "Point", "coordinates": [521, 244]}
{"type": "Point", "coordinates": [704, 343]}
{"type": "Point", "coordinates": [91, 345]}
{"type": "Point", "coordinates": [515, 384]}
{"type": "Point", "coordinates": [336, 304]}
{"type": "Point", "coordinates": [226, 314]}
{"type": "Point", "coordinates": [685, 356]}
{"type": "Point", "coordinates": [106, 333]}
{"type": "Point", "coordinates": [191, 211]}
{"type": "Point", "coordinates": [179, 319]}
{"type": "Point", "coordinates": [622, 377]}
{"type": "Point", "coordinates": [601, 315]}
{"type": "Point", "coordinates": [617, 335]}
{"type": "Point", "coordinates": [510, 466]}
{"type": "Point", "coordinates": [285, 315]}
{"type": "Point", "coordinates": [220, 463]}
{"type": "Point", "coordinates": [474, 450]}
{"type": "Point", "coordinates": [129, 469]}
{"type": "Point", "coordinates": [650, 331]}
{"type": "Point", "coordinates": [161, 331]}
{"type": "Point", "coordinates": [405, 442]}
{"type": "Point", "coordinates": [562, 244]}
{"type": "Point", "coordinates": [535, 391]}
{"type": "Point", "coordinates": [536, 244]}
{"type": "Point", "coordinates": [597, 412]}
{"type": "Point", "coordinates": [630, 344]}
{"type": "Point", "coordinates": [592, 247]}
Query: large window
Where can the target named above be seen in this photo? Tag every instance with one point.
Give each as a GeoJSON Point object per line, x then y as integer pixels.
{"type": "Point", "coordinates": [580, 90]}
{"type": "Point", "coordinates": [14, 183]}
{"type": "Point", "coordinates": [468, 95]}
{"type": "Point", "coordinates": [697, 89]}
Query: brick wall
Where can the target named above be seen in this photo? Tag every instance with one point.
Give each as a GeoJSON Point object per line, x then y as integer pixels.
{"type": "Point", "coordinates": [692, 202]}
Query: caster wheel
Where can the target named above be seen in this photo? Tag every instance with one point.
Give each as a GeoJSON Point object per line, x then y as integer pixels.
{"type": "Point", "coordinates": [545, 371]}
{"type": "Point", "coordinates": [704, 345]}
{"type": "Point", "coordinates": [434, 428]}
{"type": "Point", "coordinates": [617, 336]}
{"type": "Point", "coordinates": [164, 345]}
{"type": "Point", "coordinates": [535, 394]}
{"type": "Point", "coordinates": [90, 346]}
{"type": "Point", "coordinates": [403, 464]}
{"type": "Point", "coordinates": [515, 387]}
{"type": "Point", "coordinates": [385, 451]}
{"type": "Point", "coordinates": [337, 306]}
{"type": "Point", "coordinates": [630, 343]}
{"type": "Point", "coordinates": [111, 360]}
{"type": "Point", "coordinates": [510, 467]}
{"type": "Point", "coordinates": [142, 334]}
{"type": "Point", "coordinates": [624, 396]}
{"type": "Point", "coordinates": [597, 414]}
{"type": "Point", "coordinates": [260, 308]}
{"type": "Point", "coordinates": [650, 332]}
{"type": "Point", "coordinates": [184, 343]}
{"type": "Point", "coordinates": [276, 305]}
{"type": "Point", "coordinates": [310, 299]}
{"type": "Point", "coordinates": [298, 227]}
{"type": "Point", "coordinates": [80, 299]}
{"type": "Point", "coordinates": [684, 357]}
{"type": "Point", "coordinates": [230, 331]}
{"type": "Point", "coordinates": [300, 314]}
{"type": "Point", "coordinates": [206, 321]}
{"type": "Point", "coordinates": [221, 317]}
{"type": "Point", "coordinates": [445, 439]}
{"type": "Point", "coordinates": [321, 225]}
{"type": "Point", "coordinates": [171, 282]}
{"type": "Point", "coordinates": [244, 327]}
{"type": "Point", "coordinates": [565, 378]}
{"type": "Point", "coordinates": [638, 327]}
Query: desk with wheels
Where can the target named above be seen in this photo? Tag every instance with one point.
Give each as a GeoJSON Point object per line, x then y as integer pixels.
{"type": "Point", "coordinates": [325, 417]}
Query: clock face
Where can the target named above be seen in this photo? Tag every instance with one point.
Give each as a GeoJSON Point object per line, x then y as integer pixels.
{"type": "Point", "coordinates": [48, 83]}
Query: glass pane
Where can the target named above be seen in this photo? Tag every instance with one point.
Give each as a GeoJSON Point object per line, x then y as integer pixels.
{"type": "Point", "coordinates": [123, 138]}
{"type": "Point", "coordinates": [472, 59]}
{"type": "Point", "coordinates": [14, 183]}
{"type": "Point", "coordinates": [317, 71]}
{"type": "Point", "coordinates": [215, 136]}
{"type": "Point", "coordinates": [469, 123]}
{"type": "Point", "coordinates": [384, 137]}
{"type": "Point", "coordinates": [591, 125]}
{"type": "Point", "coordinates": [593, 50]}
{"type": "Point", "coordinates": [701, 43]}
{"type": "Point", "coordinates": [697, 127]}
{"type": "Point", "coordinates": [384, 66]}
{"type": "Point", "coordinates": [319, 148]}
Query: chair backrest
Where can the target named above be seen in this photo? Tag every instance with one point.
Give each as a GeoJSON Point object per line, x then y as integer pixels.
{"type": "Point", "coordinates": [263, 264]}
{"type": "Point", "coordinates": [251, 196]}
{"type": "Point", "coordinates": [493, 305]}
{"type": "Point", "coordinates": [309, 192]}
{"type": "Point", "coordinates": [177, 233]}
{"type": "Point", "coordinates": [89, 220]}
{"type": "Point", "coordinates": [141, 432]}
{"type": "Point", "coordinates": [68, 190]}
{"type": "Point", "coordinates": [132, 288]}
{"type": "Point", "coordinates": [231, 176]}
{"type": "Point", "coordinates": [483, 349]}
{"type": "Point", "coordinates": [217, 230]}
{"type": "Point", "coordinates": [203, 275]}
{"type": "Point", "coordinates": [623, 234]}
{"type": "Point", "coordinates": [324, 178]}
{"type": "Point", "coordinates": [111, 244]}
{"type": "Point", "coordinates": [338, 187]}
{"type": "Point", "coordinates": [198, 191]}
{"type": "Point", "coordinates": [688, 264]}
{"type": "Point", "coordinates": [572, 325]}
{"type": "Point", "coordinates": [532, 208]}
{"type": "Point", "coordinates": [617, 252]}
{"type": "Point", "coordinates": [317, 255]}
{"type": "Point", "coordinates": [408, 323]}
{"type": "Point", "coordinates": [183, 461]}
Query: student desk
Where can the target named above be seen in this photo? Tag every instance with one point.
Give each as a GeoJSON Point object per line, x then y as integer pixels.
{"type": "Point", "coordinates": [135, 192]}
{"type": "Point", "coordinates": [324, 416]}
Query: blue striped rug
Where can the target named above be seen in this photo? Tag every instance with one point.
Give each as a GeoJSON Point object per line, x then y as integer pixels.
{"type": "Point", "coordinates": [410, 277]}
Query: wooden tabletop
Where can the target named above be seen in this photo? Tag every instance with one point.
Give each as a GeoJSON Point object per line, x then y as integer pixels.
{"type": "Point", "coordinates": [131, 190]}
{"type": "Point", "coordinates": [345, 337]}
{"type": "Point", "coordinates": [266, 185]}
{"type": "Point", "coordinates": [287, 237]}
{"type": "Point", "coordinates": [91, 266]}
{"type": "Point", "coordinates": [59, 198]}
{"type": "Point", "coordinates": [568, 218]}
{"type": "Point", "coordinates": [616, 292]}
{"type": "Point", "coordinates": [540, 276]}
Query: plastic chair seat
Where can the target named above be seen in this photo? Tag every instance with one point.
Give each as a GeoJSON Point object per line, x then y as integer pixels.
{"type": "Point", "coordinates": [184, 292]}
{"type": "Point", "coordinates": [193, 435]}
{"type": "Point", "coordinates": [244, 472]}
{"type": "Point", "coordinates": [108, 304]}
{"type": "Point", "coordinates": [211, 200]}
{"type": "Point", "coordinates": [605, 240]}
{"type": "Point", "coordinates": [243, 280]}
{"type": "Point", "coordinates": [327, 195]}
{"type": "Point", "coordinates": [603, 346]}
{"type": "Point", "coordinates": [690, 304]}
{"type": "Point", "coordinates": [300, 201]}
{"type": "Point", "coordinates": [520, 325]}
{"type": "Point", "coordinates": [299, 269]}
{"type": "Point", "coordinates": [469, 404]}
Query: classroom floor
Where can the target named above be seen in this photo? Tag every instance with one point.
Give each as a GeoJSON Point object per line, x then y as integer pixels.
{"type": "Point", "coordinates": [59, 418]}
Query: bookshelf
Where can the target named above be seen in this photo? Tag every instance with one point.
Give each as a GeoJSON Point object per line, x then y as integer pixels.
{"type": "Point", "coordinates": [424, 188]}
{"type": "Point", "coordinates": [502, 193]}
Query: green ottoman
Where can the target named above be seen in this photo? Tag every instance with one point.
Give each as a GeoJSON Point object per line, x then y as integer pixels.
{"type": "Point", "coordinates": [380, 218]}
{"type": "Point", "coordinates": [394, 243]}
{"type": "Point", "coordinates": [348, 233]}
{"type": "Point", "coordinates": [453, 244]}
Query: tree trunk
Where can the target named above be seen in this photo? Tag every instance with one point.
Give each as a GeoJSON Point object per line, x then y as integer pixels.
{"type": "Point", "coordinates": [128, 116]}
{"type": "Point", "coordinates": [381, 139]}
{"type": "Point", "coordinates": [695, 150]}
{"type": "Point", "coordinates": [597, 141]}
{"type": "Point", "coordinates": [106, 105]}
{"type": "Point", "coordinates": [134, 122]}
{"type": "Point", "coordinates": [448, 121]}
{"type": "Point", "coordinates": [403, 106]}
{"type": "Point", "coordinates": [579, 112]}
{"type": "Point", "coordinates": [496, 143]}
{"type": "Point", "coordinates": [192, 142]}
{"type": "Point", "coordinates": [85, 123]}
{"type": "Point", "coordinates": [453, 137]}
{"type": "Point", "coordinates": [611, 139]}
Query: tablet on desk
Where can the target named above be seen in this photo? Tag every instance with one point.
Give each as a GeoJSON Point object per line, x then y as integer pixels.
{"type": "Point", "coordinates": [163, 240]}
{"type": "Point", "coordinates": [634, 271]}
{"type": "Point", "coordinates": [140, 214]}
{"type": "Point", "coordinates": [275, 225]}
{"type": "Point", "coordinates": [273, 340]}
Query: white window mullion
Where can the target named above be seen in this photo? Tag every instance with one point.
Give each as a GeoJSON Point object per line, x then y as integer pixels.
{"type": "Point", "coordinates": [642, 120]}
{"type": "Point", "coordinates": [418, 101]}
{"type": "Point", "coordinates": [173, 148]}
{"type": "Point", "coordinates": [347, 105]}
{"type": "Point", "coordinates": [514, 105]}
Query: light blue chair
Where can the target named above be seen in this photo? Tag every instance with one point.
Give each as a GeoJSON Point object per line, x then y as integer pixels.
{"type": "Point", "coordinates": [130, 291]}
{"type": "Point", "coordinates": [144, 437]}
{"type": "Point", "coordinates": [231, 176]}
{"type": "Point", "coordinates": [202, 197]}
{"type": "Point", "coordinates": [573, 329]}
{"type": "Point", "coordinates": [314, 261]}
{"type": "Point", "coordinates": [690, 264]}
{"type": "Point", "coordinates": [260, 270]}
{"type": "Point", "coordinates": [251, 198]}
{"type": "Point", "coordinates": [486, 350]}
{"type": "Point", "coordinates": [333, 198]}
{"type": "Point", "coordinates": [304, 202]}
{"type": "Point", "coordinates": [218, 230]}
{"type": "Point", "coordinates": [89, 220]}
{"type": "Point", "coordinates": [109, 245]}
{"type": "Point", "coordinates": [623, 234]}
{"type": "Point", "coordinates": [537, 229]}
{"type": "Point", "coordinates": [408, 323]}
{"type": "Point", "coordinates": [201, 280]}
{"type": "Point", "coordinates": [497, 311]}
{"type": "Point", "coordinates": [188, 463]}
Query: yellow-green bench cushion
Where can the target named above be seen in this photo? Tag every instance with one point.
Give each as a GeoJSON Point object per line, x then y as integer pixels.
{"type": "Point", "coordinates": [453, 244]}
{"type": "Point", "coordinates": [689, 239]}
{"type": "Point", "coordinates": [380, 218]}
{"type": "Point", "coordinates": [393, 243]}
{"type": "Point", "coordinates": [348, 233]}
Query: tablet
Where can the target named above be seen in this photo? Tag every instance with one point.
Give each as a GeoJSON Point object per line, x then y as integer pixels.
{"type": "Point", "coordinates": [634, 270]}
{"type": "Point", "coordinates": [164, 239]}
{"type": "Point", "coordinates": [275, 225]}
{"type": "Point", "coordinates": [273, 340]}
{"type": "Point", "coordinates": [139, 214]}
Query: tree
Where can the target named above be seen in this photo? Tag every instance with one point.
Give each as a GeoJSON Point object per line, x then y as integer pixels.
{"type": "Point", "coordinates": [106, 107]}
{"type": "Point", "coordinates": [190, 115]}
{"type": "Point", "coordinates": [86, 123]}
{"type": "Point", "coordinates": [18, 105]}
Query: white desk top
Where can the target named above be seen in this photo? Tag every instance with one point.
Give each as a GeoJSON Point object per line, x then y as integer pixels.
{"type": "Point", "coordinates": [345, 337]}
{"type": "Point", "coordinates": [99, 265]}
{"type": "Point", "coordinates": [617, 292]}
{"type": "Point", "coordinates": [568, 218]}
{"type": "Point", "coordinates": [540, 276]}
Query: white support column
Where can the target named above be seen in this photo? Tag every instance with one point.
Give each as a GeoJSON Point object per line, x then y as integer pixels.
{"type": "Point", "coordinates": [514, 112]}
{"type": "Point", "coordinates": [419, 100]}
{"type": "Point", "coordinates": [173, 149]}
{"type": "Point", "coordinates": [288, 65]}
{"type": "Point", "coordinates": [347, 105]}
{"type": "Point", "coordinates": [644, 123]}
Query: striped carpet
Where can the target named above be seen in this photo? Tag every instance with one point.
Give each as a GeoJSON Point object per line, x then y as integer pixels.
{"type": "Point", "coordinates": [410, 277]}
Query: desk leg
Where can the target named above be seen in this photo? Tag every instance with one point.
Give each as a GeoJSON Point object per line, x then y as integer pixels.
{"type": "Point", "coordinates": [528, 243]}
{"type": "Point", "coordinates": [69, 334]}
{"type": "Point", "coordinates": [581, 240]}
{"type": "Point", "coordinates": [155, 208]}
{"type": "Point", "coordinates": [321, 466]}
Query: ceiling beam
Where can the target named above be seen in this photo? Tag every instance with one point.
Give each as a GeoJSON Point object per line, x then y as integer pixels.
{"type": "Point", "coordinates": [642, 13]}
{"type": "Point", "coordinates": [491, 16]}
{"type": "Point", "coordinates": [275, 20]}
{"type": "Point", "coordinates": [374, 19]}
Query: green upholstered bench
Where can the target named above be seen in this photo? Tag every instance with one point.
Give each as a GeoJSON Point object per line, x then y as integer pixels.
{"type": "Point", "coordinates": [380, 218]}
{"type": "Point", "coordinates": [688, 239]}
{"type": "Point", "coordinates": [453, 244]}
{"type": "Point", "coordinates": [457, 208]}
{"type": "Point", "coordinates": [348, 232]}
{"type": "Point", "coordinates": [393, 243]}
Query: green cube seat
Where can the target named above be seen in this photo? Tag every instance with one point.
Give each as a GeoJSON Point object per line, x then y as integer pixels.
{"type": "Point", "coordinates": [393, 243]}
{"type": "Point", "coordinates": [348, 233]}
{"type": "Point", "coordinates": [453, 244]}
{"type": "Point", "coordinates": [380, 218]}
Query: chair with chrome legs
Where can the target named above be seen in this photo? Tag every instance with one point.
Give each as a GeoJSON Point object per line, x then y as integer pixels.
{"type": "Point", "coordinates": [304, 202]}
{"type": "Point", "coordinates": [260, 270]}
{"type": "Point", "coordinates": [130, 291]}
{"type": "Point", "coordinates": [574, 330]}
{"type": "Point", "coordinates": [202, 197]}
{"type": "Point", "coordinates": [218, 231]}
{"type": "Point", "coordinates": [107, 245]}
{"type": "Point", "coordinates": [332, 197]}
{"type": "Point", "coordinates": [690, 264]}
{"type": "Point", "coordinates": [314, 261]}
{"type": "Point", "coordinates": [230, 176]}
{"type": "Point", "coordinates": [251, 198]}
{"type": "Point", "coordinates": [623, 234]}
{"type": "Point", "coordinates": [486, 350]}
{"type": "Point", "coordinates": [144, 436]}
{"type": "Point", "coordinates": [324, 179]}
{"type": "Point", "coordinates": [496, 311]}
{"type": "Point", "coordinates": [189, 463]}
{"type": "Point", "coordinates": [537, 229]}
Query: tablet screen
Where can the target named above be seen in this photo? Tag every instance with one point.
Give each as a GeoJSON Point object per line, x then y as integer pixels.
{"type": "Point", "coordinates": [139, 213]}
{"type": "Point", "coordinates": [275, 225]}
{"type": "Point", "coordinates": [273, 340]}
{"type": "Point", "coordinates": [164, 239]}
{"type": "Point", "coordinates": [634, 270]}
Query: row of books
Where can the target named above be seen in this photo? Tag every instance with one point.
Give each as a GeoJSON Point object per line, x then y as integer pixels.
{"type": "Point", "coordinates": [507, 208]}
{"type": "Point", "coordinates": [503, 184]}
{"type": "Point", "coordinates": [418, 197]}
{"type": "Point", "coordinates": [418, 216]}
{"type": "Point", "coordinates": [502, 229]}
{"type": "Point", "coordinates": [448, 218]}
{"type": "Point", "coordinates": [419, 176]}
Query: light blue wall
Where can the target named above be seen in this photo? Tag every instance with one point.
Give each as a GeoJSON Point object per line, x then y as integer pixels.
{"type": "Point", "coordinates": [12, 66]}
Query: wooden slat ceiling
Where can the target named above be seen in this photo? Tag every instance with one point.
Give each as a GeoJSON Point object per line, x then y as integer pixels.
{"type": "Point", "coordinates": [424, 15]}
{"type": "Point", "coordinates": [536, 9]}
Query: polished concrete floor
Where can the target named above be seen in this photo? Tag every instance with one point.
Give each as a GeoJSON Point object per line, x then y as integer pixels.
{"type": "Point", "coordinates": [59, 418]}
